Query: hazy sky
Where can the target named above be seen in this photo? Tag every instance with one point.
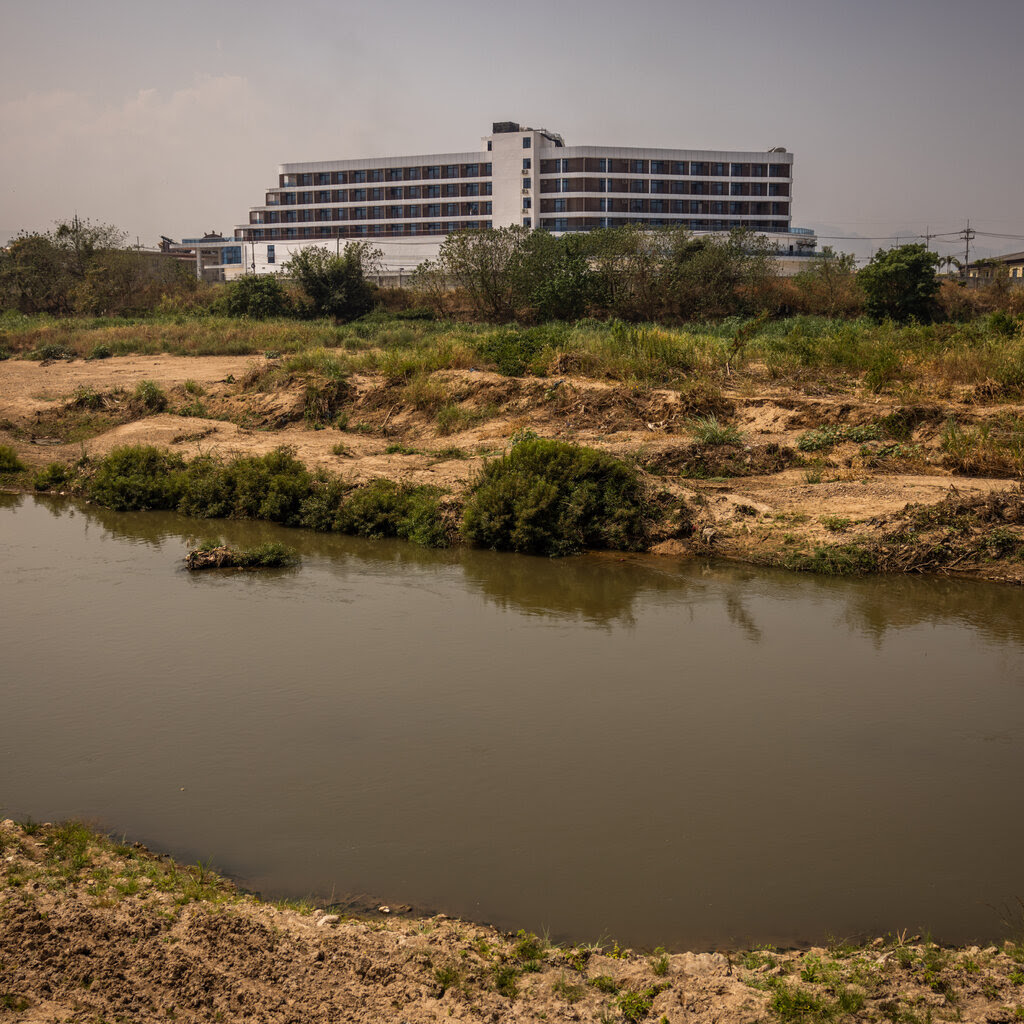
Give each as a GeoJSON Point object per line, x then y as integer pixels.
{"type": "Point", "coordinates": [171, 118]}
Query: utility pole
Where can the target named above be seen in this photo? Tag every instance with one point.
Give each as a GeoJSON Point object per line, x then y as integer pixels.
{"type": "Point", "coordinates": [967, 234]}
{"type": "Point", "coordinates": [927, 236]}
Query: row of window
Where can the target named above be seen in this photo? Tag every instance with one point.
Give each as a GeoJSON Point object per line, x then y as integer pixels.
{"type": "Point", "coordinates": [385, 174]}
{"type": "Point", "coordinates": [679, 188]}
{"type": "Point", "coordinates": [470, 209]}
{"type": "Point", "coordinates": [591, 223]}
{"type": "Point", "coordinates": [698, 168]}
{"type": "Point", "coordinates": [364, 230]}
{"type": "Point", "coordinates": [662, 206]}
{"type": "Point", "coordinates": [362, 195]}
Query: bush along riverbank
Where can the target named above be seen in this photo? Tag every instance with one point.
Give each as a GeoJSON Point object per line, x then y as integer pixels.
{"type": "Point", "coordinates": [810, 444]}
{"type": "Point", "coordinates": [542, 497]}
{"type": "Point", "coordinates": [92, 928]}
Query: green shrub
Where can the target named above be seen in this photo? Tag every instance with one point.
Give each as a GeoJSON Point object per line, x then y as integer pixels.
{"type": "Point", "coordinates": [271, 486]}
{"type": "Point", "coordinates": [551, 498]}
{"type": "Point", "coordinates": [257, 296]}
{"type": "Point", "coordinates": [320, 507]}
{"type": "Point", "coordinates": [137, 477]}
{"type": "Point", "coordinates": [384, 508]}
{"type": "Point", "coordinates": [51, 350]}
{"type": "Point", "coordinates": [9, 461]}
{"type": "Point", "coordinates": [48, 479]}
{"type": "Point", "coordinates": [148, 396]}
{"type": "Point", "coordinates": [513, 350]}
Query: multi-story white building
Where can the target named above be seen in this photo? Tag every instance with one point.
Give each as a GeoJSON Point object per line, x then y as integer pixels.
{"type": "Point", "coordinates": [406, 205]}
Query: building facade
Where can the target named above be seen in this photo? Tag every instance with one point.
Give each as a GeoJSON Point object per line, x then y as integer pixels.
{"type": "Point", "coordinates": [406, 205]}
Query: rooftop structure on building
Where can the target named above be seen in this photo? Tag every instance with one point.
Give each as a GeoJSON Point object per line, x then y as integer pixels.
{"type": "Point", "coordinates": [407, 205]}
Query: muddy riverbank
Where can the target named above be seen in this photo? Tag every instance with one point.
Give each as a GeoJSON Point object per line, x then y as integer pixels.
{"type": "Point", "coordinates": [92, 928]}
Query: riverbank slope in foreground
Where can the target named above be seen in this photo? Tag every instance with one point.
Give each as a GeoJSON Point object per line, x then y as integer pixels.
{"type": "Point", "coordinates": [827, 474]}
{"type": "Point", "coordinates": [92, 929]}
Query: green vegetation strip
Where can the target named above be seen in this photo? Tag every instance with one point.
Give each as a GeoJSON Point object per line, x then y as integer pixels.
{"type": "Point", "coordinates": [543, 497]}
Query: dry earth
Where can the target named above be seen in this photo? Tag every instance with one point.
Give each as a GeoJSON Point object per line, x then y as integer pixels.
{"type": "Point", "coordinates": [92, 930]}
{"type": "Point", "coordinates": [762, 495]}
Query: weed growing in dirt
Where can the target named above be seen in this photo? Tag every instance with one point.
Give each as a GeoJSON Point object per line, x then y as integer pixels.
{"type": "Point", "coordinates": [506, 977]}
{"type": "Point", "coordinates": [604, 983]}
{"type": "Point", "coordinates": [570, 992]}
{"type": "Point", "coordinates": [194, 408]}
{"type": "Point", "coordinates": [68, 847]}
{"type": "Point", "coordinates": [835, 524]}
{"type": "Point", "coordinates": [552, 498]}
{"type": "Point", "coordinates": [708, 430]}
{"type": "Point", "coordinates": [825, 438]}
{"type": "Point", "coordinates": [149, 397]}
{"type": "Point", "coordinates": [659, 965]}
{"type": "Point", "coordinates": [635, 1005]}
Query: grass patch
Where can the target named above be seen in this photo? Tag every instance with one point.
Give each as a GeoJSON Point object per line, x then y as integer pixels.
{"type": "Point", "coordinates": [568, 991]}
{"type": "Point", "coordinates": [506, 977]}
{"type": "Point", "coordinates": [708, 430]}
{"type": "Point", "coordinates": [835, 560]}
{"type": "Point", "coordinates": [835, 524]}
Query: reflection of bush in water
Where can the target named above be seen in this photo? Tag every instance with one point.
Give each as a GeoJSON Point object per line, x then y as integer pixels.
{"type": "Point", "coordinates": [594, 588]}
{"type": "Point", "coordinates": [876, 606]}
{"type": "Point", "coordinates": [603, 589]}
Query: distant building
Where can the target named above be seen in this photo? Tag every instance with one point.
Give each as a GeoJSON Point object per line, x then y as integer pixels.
{"type": "Point", "coordinates": [1011, 265]}
{"type": "Point", "coordinates": [215, 257]}
{"type": "Point", "coordinates": [406, 205]}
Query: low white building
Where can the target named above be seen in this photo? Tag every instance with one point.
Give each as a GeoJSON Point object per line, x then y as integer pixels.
{"type": "Point", "coordinates": [406, 205]}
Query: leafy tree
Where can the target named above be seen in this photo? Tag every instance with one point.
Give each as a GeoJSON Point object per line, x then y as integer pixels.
{"type": "Point", "coordinates": [489, 267]}
{"type": "Point", "coordinates": [829, 284]}
{"type": "Point", "coordinates": [710, 276]}
{"type": "Point", "coordinates": [257, 296]}
{"type": "Point", "coordinates": [336, 284]}
{"type": "Point", "coordinates": [83, 267]}
{"type": "Point", "coordinates": [900, 283]}
{"type": "Point", "coordinates": [626, 263]}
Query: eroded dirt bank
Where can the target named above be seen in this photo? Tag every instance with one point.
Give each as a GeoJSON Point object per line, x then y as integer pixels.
{"type": "Point", "coordinates": [773, 473]}
{"type": "Point", "coordinates": [96, 930]}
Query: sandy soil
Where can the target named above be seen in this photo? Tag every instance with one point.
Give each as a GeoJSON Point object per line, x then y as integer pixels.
{"type": "Point", "coordinates": [91, 930]}
{"type": "Point", "coordinates": [764, 494]}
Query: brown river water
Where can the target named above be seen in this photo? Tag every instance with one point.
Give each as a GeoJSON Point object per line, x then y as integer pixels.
{"type": "Point", "coordinates": [686, 754]}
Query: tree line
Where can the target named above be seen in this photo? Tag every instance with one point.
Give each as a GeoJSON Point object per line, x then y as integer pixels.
{"type": "Point", "coordinates": [502, 275]}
